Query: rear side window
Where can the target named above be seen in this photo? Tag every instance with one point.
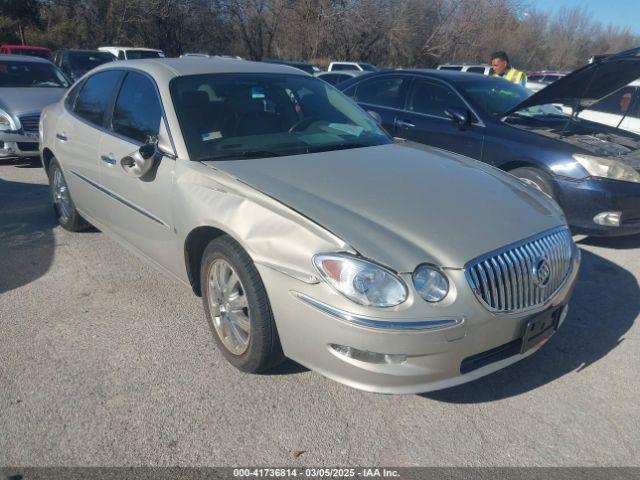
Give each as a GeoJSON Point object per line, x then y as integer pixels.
{"type": "Point", "coordinates": [340, 67]}
{"type": "Point", "coordinates": [432, 98]}
{"type": "Point", "coordinates": [95, 96]}
{"type": "Point", "coordinates": [383, 92]}
{"type": "Point", "coordinates": [137, 111]}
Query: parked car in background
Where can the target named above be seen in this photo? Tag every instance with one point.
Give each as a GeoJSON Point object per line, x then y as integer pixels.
{"type": "Point", "coordinates": [75, 63]}
{"type": "Point", "coordinates": [591, 170]}
{"type": "Point", "coordinates": [342, 66]}
{"type": "Point", "coordinates": [467, 67]}
{"type": "Point", "coordinates": [334, 78]}
{"type": "Point", "coordinates": [620, 109]}
{"type": "Point", "coordinates": [29, 50]}
{"type": "Point", "coordinates": [538, 80]}
{"type": "Point", "coordinates": [196, 55]}
{"type": "Point", "coordinates": [27, 85]}
{"type": "Point", "coordinates": [132, 53]}
{"type": "Point", "coordinates": [305, 67]}
{"type": "Point", "coordinates": [307, 230]}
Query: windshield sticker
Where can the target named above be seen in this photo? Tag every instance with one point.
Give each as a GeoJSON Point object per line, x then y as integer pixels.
{"type": "Point", "coordinates": [257, 92]}
{"type": "Point", "coordinates": [348, 129]}
{"type": "Point", "coordinates": [207, 136]}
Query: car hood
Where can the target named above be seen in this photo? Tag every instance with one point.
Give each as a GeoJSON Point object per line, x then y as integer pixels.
{"type": "Point", "coordinates": [27, 100]}
{"type": "Point", "coordinates": [403, 204]}
{"type": "Point", "coordinates": [585, 86]}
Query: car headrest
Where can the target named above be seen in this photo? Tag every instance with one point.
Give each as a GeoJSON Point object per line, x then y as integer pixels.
{"type": "Point", "coordinates": [195, 98]}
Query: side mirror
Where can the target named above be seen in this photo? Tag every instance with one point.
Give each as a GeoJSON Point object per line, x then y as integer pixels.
{"type": "Point", "coordinates": [459, 116]}
{"type": "Point", "coordinates": [140, 162]}
{"type": "Point", "coordinates": [376, 116]}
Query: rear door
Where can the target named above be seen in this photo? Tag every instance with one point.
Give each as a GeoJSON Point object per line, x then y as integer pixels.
{"type": "Point", "coordinates": [383, 94]}
{"type": "Point", "coordinates": [425, 120]}
{"type": "Point", "coordinates": [78, 136]}
{"type": "Point", "coordinates": [139, 209]}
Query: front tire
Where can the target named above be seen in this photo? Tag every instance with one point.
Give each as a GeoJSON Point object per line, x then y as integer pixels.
{"type": "Point", "coordinates": [63, 205]}
{"type": "Point", "coordinates": [237, 307]}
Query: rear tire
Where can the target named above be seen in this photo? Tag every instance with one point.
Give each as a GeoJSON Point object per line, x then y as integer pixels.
{"type": "Point", "coordinates": [536, 178]}
{"type": "Point", "coordinates": [63, 205]}
{"type": "Point", "coordinates": [237, 307]}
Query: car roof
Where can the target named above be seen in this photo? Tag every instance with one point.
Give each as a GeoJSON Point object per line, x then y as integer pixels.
{"type": "Point", "coordinates": [23, 47]}
{"type": "Point", "coordinates": [24, 58]}
{"type": "Point", "coordinates": [168, 68]}
{"type": "Point", "coordinates": [131, 48]}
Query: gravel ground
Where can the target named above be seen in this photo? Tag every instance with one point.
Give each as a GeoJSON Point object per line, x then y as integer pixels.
{"type": "Point", "coordinates": [106, 362]}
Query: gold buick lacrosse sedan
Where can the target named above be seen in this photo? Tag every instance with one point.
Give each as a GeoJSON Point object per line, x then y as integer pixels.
{"type": "Point", "coordinates": [307, 230]}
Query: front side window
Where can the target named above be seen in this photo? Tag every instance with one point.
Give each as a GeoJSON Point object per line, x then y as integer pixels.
{"type": "Point", "coordinates": [617, 103]}
{"type": "Point", "coordinates": [367, 67]}
{"type": "Point", "coordinates": [15, 73]}
{"type": "Point", "coordinates": [226, 116]}
{"type": "Point", "coordinates": [476, 70]}
{"type": "Point", "coordinates": [432, 98]}
{"type": "Point", "coordinates": [451, 68]}
{"type": "Point", "coordinates": [137, 112]}
{"type": "Point", "coordinates": [494, 95]}
{"type": "Point", "coordinates": [382, 92]}
{"type": "Point", "coordinates": [95, 96]}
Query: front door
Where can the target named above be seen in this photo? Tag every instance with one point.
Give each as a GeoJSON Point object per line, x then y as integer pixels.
{"type": "Point", "coordinates": [425, 121]}
{"type": "Point", "coordinates": [139, 209]}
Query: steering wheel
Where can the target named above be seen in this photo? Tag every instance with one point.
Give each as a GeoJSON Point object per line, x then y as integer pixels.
{"type": "Point", "coordinates": [303, 122]}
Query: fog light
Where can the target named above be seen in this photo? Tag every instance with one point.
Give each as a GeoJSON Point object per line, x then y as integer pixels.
{"type": "Point", "coordinates": [366, 356]}
{"type": "Point", "coordinates": [608, 219]}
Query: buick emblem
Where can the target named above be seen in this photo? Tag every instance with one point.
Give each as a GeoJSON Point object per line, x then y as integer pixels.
{"type": "Point", "coordinates": [541, 272]}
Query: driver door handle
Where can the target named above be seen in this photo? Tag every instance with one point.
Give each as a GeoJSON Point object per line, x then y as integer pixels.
{"type": "Point", "coordinates": [404, 124]}
{"type": "Point", "coordinates": [108, 159]}
{"type": "Point", "coordinates": [62, 136]}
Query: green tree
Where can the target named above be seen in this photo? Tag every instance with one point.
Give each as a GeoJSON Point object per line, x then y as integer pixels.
{"type": "Point", "coordinates": [23, 12]}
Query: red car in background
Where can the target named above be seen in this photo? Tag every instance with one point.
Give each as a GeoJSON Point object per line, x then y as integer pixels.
{"type": "Point", "coordinates": [30, 50]}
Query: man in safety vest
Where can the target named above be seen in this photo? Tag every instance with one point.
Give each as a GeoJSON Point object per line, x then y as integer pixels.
{"type": "Point", "coordinates": [502, 69]}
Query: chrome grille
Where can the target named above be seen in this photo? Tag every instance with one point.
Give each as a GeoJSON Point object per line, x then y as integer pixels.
{"type": "Point", "coordinates": [30, 123]}
{"type": "Point", "coordinates": [507, 280]}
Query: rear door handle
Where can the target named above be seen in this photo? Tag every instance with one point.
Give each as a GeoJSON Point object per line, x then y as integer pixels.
{"type": "Point", "coordinates": [62, 136]}
{"type": "Point", "coordinates": [404, 124]}
{"type": "Point", "coordinates": [108, 159]}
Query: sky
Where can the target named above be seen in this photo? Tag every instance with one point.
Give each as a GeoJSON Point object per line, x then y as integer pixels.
{"type": "Point", "coordinates": [623, 13]}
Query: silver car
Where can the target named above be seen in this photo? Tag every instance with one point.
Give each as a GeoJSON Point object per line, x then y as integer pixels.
{"type": "Point", "coordinates": [27, 85]}
{"type": "Point", "coordinates": [308, 231]}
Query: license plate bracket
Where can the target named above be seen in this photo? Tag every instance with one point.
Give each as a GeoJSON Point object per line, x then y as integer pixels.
{"type": "Point", "coordinates": [538, 329]}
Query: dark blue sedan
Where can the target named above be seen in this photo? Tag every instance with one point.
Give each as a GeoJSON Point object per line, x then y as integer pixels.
{"type": "Point", "coordinates": [590, 169]}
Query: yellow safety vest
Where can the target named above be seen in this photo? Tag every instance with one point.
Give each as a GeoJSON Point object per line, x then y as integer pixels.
{"type": "Point", "coordinates": [513, 75]}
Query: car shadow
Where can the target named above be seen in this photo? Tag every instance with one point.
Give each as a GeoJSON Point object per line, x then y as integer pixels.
{"type": "Point", "coordinates": [26, 237]}
{"type": "Point", "coordinates": [619, 243]}
{"type": "Point", "coordinates": [605, 304]}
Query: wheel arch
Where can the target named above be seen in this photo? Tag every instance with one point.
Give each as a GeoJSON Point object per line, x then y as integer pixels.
{"type": "Point", "coordinates": [47, 156]}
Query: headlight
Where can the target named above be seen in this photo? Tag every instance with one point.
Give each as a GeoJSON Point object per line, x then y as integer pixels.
{"type": "Point", "coordinates": [607, 168]}
{"type": "Point", "coordinates": [6, 123]}
{"type": "Point", "coordinates": [431, 283]}
{"type": "Point", "coordinates": [361, 281]}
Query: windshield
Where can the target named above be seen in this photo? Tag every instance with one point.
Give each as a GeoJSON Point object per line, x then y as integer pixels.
{"type": "Point", "coordinates": [30, 74]}
{"type": "Point", "coordinates": [226, 116]}
{"type": "Point", "coordinates": [138, 54]}
{"type": "Point", "coordinates": [85, 61]}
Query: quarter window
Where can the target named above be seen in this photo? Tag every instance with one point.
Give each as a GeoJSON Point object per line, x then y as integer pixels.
{"type": "Point", "coordinates": [383, 92]}
{"type": "Point", "coordinates": [137, 112]}
{"type": "Point", "coordinates": [96, 94]}
{"type": "Point", "coordinates": [431, 98]}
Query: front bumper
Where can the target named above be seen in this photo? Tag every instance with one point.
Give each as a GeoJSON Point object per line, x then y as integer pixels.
{"type": "Point", "coordinates": [582, 200]}
{"type": "Point", "coordinates": [19, 145]}
{"type": "Point", "coordinates": [434, 356]}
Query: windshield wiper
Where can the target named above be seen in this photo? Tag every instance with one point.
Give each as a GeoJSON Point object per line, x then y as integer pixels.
{"type": "Point", "coordinates": [243, 154]}
{"type": "Point", "coordinates": [340, 146]}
